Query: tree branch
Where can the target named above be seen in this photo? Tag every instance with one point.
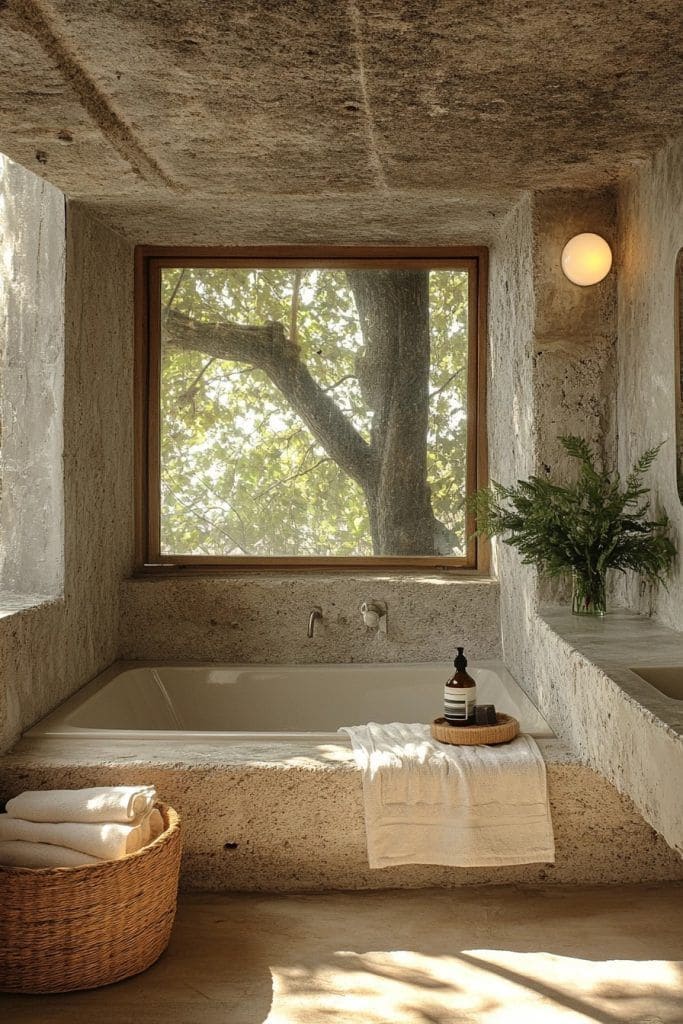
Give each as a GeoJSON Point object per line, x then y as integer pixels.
{"type": "Point", "coordinates": [288, 479]}
{"type": "Point", "coordinates": [201, 515]}
{"type": "Point", "coordinates": [268, 348]}
{"type": "Point", "coordinates": [170, 302]}
{"type": "Point", "coordinates": [347, 376]}
{"type": "Point", "coordinates": [295, 307]}
{"type": "Point", "coordinates": [438, 391]}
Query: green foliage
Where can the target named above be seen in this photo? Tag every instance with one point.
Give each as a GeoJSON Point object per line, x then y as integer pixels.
{"type": "Point", "coordinates": [589, 526]}
{"type": "Point", "coordinates": [240, 471]}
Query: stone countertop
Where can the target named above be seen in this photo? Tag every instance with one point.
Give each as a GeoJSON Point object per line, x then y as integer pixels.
{"type": "Point", "coordinates": [618, 641]}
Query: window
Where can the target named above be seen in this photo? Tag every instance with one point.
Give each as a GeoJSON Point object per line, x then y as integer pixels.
{"type": "Point", "coordinates": [309, 408]}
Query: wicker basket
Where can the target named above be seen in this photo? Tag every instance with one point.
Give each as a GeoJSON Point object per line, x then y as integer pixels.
{"type": "Point", "coordinates": [71, 928]}
{"type": "Point", "coordinates": [475, 735]}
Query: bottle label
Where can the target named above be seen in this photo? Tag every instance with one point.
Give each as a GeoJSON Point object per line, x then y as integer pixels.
{"type": "Point", "coordinates": [458, 702]}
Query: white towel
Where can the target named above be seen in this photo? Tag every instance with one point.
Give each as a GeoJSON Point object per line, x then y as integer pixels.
{"type": "Point", "coordinates": [126, 805]}
{"type": "Point", "coordinates": [156, 825]}
{"type": "Point", "coordinates": [98, 839]}
{"type": "Point", "coordinates": [42, 855]}
{"type": "Point", "coordinates": [430, 803]}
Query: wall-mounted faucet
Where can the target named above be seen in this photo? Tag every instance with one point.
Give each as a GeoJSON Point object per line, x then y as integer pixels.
{"type": "Point", "coordinates": [374, 615]}
{"type": "Point", "coordinates": [316, 613]}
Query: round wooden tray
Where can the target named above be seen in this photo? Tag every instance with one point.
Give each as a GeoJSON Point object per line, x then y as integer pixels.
{"type": "Point", "coordinates": [470, 735]}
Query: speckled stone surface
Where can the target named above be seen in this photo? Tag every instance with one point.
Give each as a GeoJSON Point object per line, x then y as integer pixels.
{"type": "Point", "coordinates": [499, 955]}
{"type": "Point", "coordinates": [651, 235]}
{"type": "Point", "coordinates": [288, 817]}
{"type": "Point", "coordinates": [574, 334]}
{"type": "Point", "coordinates": [33, 248]}
{"type": "Point", "coordinates": [616, 721]}
{"type": "Point", "coordinates": [263, 618]}
{"type": "Point", "coordinates": [542, 340]}
{"type": "Point", "coordinates": [52, 647]}
{"type": "Point", "coordinates": [401, 217]}
{"type": "Point", "coordinates": [363, 108]}
{"type": "Point", "coordinates": [495, 955]}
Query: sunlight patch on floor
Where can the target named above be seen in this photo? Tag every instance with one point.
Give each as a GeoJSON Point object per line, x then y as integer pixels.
{"type": "Point", "coordinates": [486, 986]}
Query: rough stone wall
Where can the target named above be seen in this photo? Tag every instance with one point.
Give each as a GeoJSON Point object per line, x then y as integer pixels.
{"type": "Point", "coordinates": [511, 422]}
{"type": "Point", "coordinates": [263, 618]}
{"type": "Point", "coordinates": [574, 375]}
{"type": "Point", "coordinates": [551, 372]}
{"type": "Point", "coordinates": [651, 230]}
{"type": "Point", "coordinates": [574, 362]}
{"type": "Point", "coordinates": [47, 651]}
{"type": "Point", "coordinates": [98, 431]}
{"type": "Point", "coordinates": [32, 247]}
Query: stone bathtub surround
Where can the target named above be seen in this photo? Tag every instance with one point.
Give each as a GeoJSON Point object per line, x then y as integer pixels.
{"type": "Point", "coordinates": [263, 618]}
{"type": "Point", "coordinates": [289, 817]}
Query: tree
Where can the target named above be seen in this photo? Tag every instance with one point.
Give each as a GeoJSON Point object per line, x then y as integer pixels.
{"type": "Point", "coordinates": [282, 334]}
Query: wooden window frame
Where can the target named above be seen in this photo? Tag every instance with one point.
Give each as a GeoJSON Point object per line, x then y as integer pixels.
{"type": "Point", "coordinates": [678, 368]}
{"type": "Point", "coordinates": [150, 260]}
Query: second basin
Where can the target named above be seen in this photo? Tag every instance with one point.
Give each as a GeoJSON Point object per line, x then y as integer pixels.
{"type": "Point", "coordinates": [667, 679]}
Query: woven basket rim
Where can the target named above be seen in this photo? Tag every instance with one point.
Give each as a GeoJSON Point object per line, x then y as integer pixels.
{"type": "Point", "coordinates": [171, 819]}
{"type": "Point", "coordinates": [503, 719]}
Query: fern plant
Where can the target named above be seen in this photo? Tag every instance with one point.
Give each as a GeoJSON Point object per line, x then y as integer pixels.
{"type": "Point", "coordinates": [584, 528]}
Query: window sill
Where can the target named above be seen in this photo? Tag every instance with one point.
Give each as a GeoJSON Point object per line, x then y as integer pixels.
{"type": "Point", "coordinates": [15, 604]}
{"type": "Point", "coordinates": [270, 577]}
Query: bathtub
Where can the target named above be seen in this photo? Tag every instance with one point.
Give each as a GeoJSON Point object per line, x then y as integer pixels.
{"type": "Point", "coordinates": [162, 701]}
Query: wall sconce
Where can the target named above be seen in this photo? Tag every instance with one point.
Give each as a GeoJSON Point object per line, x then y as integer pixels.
{"type": "Point", "coordinates": [586, 259]}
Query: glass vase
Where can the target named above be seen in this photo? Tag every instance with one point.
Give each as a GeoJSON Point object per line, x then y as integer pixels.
{"type": "Point", "coordinates": [589, 595]}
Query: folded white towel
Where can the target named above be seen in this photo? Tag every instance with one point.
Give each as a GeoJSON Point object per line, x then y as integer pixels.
{"type": "Point", "coordinates": [156, 825]}
{"type": "Point", "coordinates": [430, 803]}
{"type": "Point", "coordinates": [99, 839]}
{"type": "Point", "coordinates": [42, 855]}
{"type": "Point", "coordinates": [123, 804]}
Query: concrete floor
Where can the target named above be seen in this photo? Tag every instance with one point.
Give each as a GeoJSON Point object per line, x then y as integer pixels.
{"type": "Point", "coordinates": [491, 956]}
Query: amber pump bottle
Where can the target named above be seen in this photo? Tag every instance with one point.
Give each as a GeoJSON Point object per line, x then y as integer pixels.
{"type": "Point", "coordinates": [460, 693]}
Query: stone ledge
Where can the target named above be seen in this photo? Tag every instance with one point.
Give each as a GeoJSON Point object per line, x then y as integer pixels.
{"type": "Point", "coordinates": [268, 577]}
{"type": "Point", "coordinates": [14, 604]}
{"type": "Point", "coordinates": [578, 675]}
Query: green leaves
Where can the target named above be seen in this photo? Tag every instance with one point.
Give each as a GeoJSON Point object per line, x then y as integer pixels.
{"type": "Point", "coordinates": [589, 526]}
{"type": "Point", "coordinates": [241, 473]}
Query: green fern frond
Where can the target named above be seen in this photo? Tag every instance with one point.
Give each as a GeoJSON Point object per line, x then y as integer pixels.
{"type": "Point", "coordinates": [594, 524]}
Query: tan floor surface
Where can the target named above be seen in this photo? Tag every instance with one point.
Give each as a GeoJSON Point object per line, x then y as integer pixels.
{"type": "Point", "coordinates": [492, 956]}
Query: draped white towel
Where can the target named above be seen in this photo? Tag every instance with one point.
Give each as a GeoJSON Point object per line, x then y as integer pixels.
{"type": "Point", "coordinates": [125, 805]}
{"type": "Point", "coordinates": [430, 803]}
{"type": "Point", "coordinates": [42, 855]}
{"type": "Point", "coordinates": [98, 839]}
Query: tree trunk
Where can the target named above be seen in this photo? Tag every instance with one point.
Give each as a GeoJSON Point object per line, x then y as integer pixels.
{"type": "Point", "coordinates": [393, 372]}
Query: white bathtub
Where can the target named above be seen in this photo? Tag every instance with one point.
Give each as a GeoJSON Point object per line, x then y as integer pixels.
{"type": "Point", "coordinates": [146, 701]}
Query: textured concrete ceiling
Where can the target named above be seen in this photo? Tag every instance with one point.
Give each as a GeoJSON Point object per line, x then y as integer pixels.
{"type": "Point", "coordinates": [159, 111]}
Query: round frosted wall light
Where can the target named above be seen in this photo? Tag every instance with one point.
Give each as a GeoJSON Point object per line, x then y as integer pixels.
{"type": "Point", "coordinates": [586, 259]}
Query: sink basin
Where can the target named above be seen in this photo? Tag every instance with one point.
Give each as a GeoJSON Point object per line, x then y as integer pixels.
{"type": "Point", "coordinates": [668, 680]}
